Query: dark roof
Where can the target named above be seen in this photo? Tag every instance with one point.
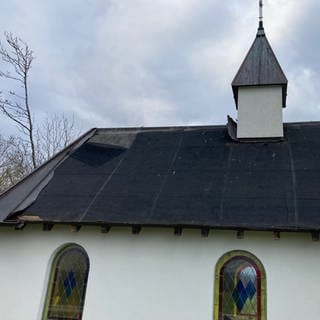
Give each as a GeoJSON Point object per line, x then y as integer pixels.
{"type": "Point", "coordinates": [260, 67]}
{"type": "Point", "coordinates": [182, 176]}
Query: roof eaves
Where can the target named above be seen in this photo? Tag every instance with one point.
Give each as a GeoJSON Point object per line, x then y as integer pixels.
{"type": "Point", "coordinates": [248, 227]}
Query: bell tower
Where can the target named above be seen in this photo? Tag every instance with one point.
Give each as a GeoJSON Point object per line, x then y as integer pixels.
{"type": "Point", "coordinates": [260, 90]}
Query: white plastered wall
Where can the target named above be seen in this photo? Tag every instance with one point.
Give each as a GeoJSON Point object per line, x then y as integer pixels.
{"type": "Point", "coordinates": [260, 112]}
{"type": "Point", "coordinates": [156, 275]}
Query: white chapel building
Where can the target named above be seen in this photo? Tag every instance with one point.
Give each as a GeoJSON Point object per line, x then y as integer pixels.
{"type": "Point", "coordinates": [176, 223]}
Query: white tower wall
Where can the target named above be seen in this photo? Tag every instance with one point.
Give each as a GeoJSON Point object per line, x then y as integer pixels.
{"type": "Point", "coordinates": [260, 112]}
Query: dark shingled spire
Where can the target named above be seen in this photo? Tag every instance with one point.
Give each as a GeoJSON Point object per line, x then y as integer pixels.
{"type": "Point", "coordinates": [260, 67]}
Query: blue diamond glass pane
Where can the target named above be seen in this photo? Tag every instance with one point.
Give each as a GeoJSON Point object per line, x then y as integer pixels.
{"type": "Point", "coordinates": [69, 283]}
{"type": "Point", "coordinates": [239, 295]}
{"type": "Point", "coordinates": [251, 290]}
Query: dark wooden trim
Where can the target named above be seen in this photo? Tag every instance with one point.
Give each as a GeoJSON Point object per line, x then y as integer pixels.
{"type": "Point", "coordinates": [47, 226]}
{"type": "Point", "coordinates": [177, 230]}
{"type": "Point", "coordinates": [315, 236]}
{"type": "Point", "coordinates": [136, 229]}
{"type": "Point", "coordinates": [105, 228]}
{"type": "Point", "coordinates": [240, 234]}
{"type": "Point", "coordinates": [75, 228]}
{"type": "Point", "coordinates": [276, 235]}
{"type": "Point", "coordinates": [205, 232]}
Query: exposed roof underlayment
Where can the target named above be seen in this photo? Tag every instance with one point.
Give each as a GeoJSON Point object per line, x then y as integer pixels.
{"type": "Point", "coordinates": [25, 192]}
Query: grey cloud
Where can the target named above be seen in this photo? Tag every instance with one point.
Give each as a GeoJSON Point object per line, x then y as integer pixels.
{"type": "Point", "coordinates": [160, 62]}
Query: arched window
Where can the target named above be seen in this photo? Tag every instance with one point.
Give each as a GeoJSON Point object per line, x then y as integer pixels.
{"type": "Point", "coordinates": [240, 287]}
{"type": "Point", "coordinates": [67, 284]}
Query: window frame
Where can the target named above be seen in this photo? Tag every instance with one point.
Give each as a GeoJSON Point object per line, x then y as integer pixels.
{"type": "Point", "coordinates": [261, 284]}
{"type": "Point", "coordinates": [57, 256]}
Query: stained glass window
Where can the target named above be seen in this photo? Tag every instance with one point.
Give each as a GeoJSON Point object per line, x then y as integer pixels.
{"type": "Point", "coordinates": [240, 287]}
{"type": "Point", "coordinates": [67, 287]}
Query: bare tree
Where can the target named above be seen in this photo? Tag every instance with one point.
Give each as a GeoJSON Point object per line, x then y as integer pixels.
{"type": "Point", "coordinates": [15, 156]}
{"type": "Point", "coordinates": [37, 143]}
{"type": "Point", "coordinates": [14, 163]}
{"type": "Point", "coordinates": [54, 134]}
{"type": "Point", "coordinates": [19, 58]}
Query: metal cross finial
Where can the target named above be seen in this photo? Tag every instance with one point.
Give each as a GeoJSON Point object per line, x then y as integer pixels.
{"type": "Point", "coordinates": [260, 13]}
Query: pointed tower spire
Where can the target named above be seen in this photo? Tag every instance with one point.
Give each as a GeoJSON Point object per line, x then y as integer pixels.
{"type": "Point", "coordinates": [259, 82]}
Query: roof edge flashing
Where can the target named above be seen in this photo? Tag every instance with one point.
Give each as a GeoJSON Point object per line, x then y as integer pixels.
{"type": "Point", "coordinates": [26, 191]}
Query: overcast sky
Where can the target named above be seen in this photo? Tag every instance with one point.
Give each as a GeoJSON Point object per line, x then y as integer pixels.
{"type": "Point", "coordinates": [115, 63]}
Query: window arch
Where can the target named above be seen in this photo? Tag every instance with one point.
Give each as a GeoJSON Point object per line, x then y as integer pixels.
{"type": "Point", "coordinates": [67, 284]}
{"type": "Point", "coordinates": [240, 287]}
